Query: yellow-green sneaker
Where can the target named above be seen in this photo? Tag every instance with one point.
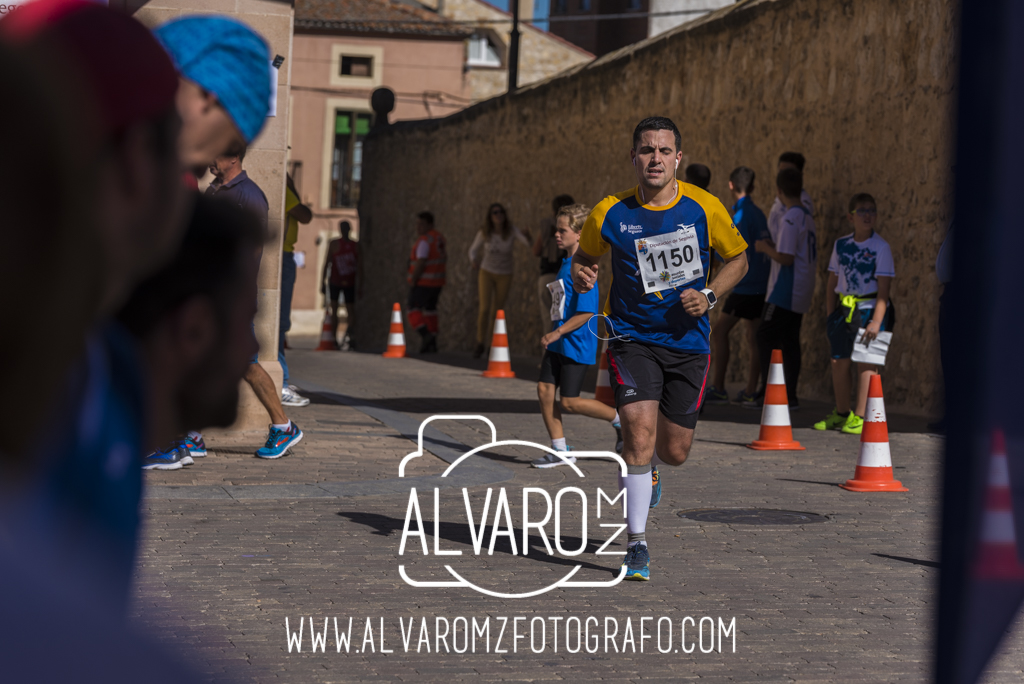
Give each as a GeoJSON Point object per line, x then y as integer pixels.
{"type": "Point", "coordinates": [833, 421]}
{"type": "Point", "coordinates": [854, 424]}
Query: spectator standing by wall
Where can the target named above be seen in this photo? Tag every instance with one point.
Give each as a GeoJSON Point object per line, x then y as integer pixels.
{"type": "Point", "coordinates": [296, 212]}
{"type": "Point", "coordinates": [427, 264]}
{"type": "Point", "coordinates": [861, 270]}
{"type": "Point", "coordinates": [697, 174]}
{"type": "Point", "coordinates": [342, 262]}
{"type": "Point", "coordinates": [746, 301]}
{"type": "Point", "coordinates": [546, 248]}
{"type": "Point", "coordinates": [491, 254]}
{"type": "Point", "coordinates": [787, 160]}
{"type": "Point", "coordinates": [794, 253]}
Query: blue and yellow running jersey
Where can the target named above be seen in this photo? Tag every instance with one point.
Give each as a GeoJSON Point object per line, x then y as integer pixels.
{"type": "Point", "coordinates": [658, 318]}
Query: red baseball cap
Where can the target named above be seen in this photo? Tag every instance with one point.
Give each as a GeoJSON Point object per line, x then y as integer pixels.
{"type": "Point", "coordinates": [130, 73]}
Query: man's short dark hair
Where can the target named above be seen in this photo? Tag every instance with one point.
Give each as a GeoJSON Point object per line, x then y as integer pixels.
{"type": "Point", "coordinates": [561, 201]}
{"type": "Point", "coordinates": [697, 174]}
{"type": "Point", "coordinates": [742, 179]}
{"type": "Point", "coordinates": [426, 216]}
{"type": "Point", "coordinates": [794, 158]}
{"type": "Point", "coordinates": [219, 238]}
{"type": "Point", "coordinates": [862, 198]}
{"type": "Point", "coordinates": [345, 227]}
{"type": "Point", "coordinates": [237, 149]}
{"type": "Point", "coordinates": [657, 123]}
{"type": "Point", "coordinates": [790, 182]}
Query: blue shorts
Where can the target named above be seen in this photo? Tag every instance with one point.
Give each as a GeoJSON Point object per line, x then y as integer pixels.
{"type": "Point", "coordinates": [843, 335]}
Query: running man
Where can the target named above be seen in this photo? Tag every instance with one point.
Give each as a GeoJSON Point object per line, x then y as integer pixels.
{"type": "Point", "coordinates": [661, 234]}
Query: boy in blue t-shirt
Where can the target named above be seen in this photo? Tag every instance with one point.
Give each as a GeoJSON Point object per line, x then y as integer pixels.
{"type": "Point", "coordinates": [570, 347]}
{"type": "Point", "coordinates": [860, 273]}
{"type": "Point", "coordinates": [747, 299]}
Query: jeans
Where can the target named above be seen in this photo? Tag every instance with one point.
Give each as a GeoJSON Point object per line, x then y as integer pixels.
{"type": "Point", "coordinates": [287, 287]}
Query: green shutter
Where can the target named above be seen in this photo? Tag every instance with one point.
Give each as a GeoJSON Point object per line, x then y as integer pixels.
{"type": "Point", "coordinates": [342, 124]}
{"type": "Point", "coordinates": [363, 124]}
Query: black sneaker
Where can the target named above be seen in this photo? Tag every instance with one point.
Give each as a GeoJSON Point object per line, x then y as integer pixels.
{"type": "Point", "coordinates": [429, 344]}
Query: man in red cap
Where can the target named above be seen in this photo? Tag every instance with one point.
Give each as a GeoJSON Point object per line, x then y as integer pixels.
{"type": "Point", "coordinates": [105, 191]}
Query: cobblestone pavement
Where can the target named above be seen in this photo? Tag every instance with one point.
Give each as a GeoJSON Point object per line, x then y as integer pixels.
{"type": "Point", "coordinates": [234, 547]}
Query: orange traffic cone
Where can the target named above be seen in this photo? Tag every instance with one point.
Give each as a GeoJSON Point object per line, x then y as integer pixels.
{"type": "Point", "coordinates": [327, 341]}
{"type": "Point", "coordinates": [499, 365]}
{"type": "Point", "coordinates": [776, 430]}
{"type": "Point", "coordinates": [874, 466]}
{"type": "Point", "coordinates": [603, 392]}
{"type": "Point", "coordinates": [997, 549]}
{"type": "Point", "coordinates": [396, 336]}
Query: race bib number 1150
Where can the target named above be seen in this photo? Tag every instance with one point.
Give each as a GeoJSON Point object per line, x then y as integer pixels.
{"type": "Point", "coordinates": [668, 261]}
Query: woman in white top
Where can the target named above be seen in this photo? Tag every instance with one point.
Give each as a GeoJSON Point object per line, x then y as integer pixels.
{"type": "Point", "coordinates": [491, 253]}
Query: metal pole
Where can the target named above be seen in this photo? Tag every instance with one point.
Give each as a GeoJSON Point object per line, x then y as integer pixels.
{"type": "Point", "coordinates": [513, 50]}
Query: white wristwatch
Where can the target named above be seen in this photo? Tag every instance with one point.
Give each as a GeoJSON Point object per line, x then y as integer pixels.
{"type": "Point", "coordinates": [712, 299]}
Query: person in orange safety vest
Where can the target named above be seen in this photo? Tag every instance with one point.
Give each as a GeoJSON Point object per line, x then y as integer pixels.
{"type": "Point", "coordinates": [426, 278]}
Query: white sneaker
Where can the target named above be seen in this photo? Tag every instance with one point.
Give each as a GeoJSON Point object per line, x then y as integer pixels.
{"type": "Point", "coordinates": [290, 397]}
{"type": "Point", "coordinates": [553, 460]}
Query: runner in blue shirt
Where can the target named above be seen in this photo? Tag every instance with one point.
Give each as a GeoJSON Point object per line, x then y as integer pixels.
{"type": "Point", "coordinates": [570, 347]}
{"type": "Point", "coordinates": [661, 235]}
{"type": "Point", "coordinates": [747, 299]}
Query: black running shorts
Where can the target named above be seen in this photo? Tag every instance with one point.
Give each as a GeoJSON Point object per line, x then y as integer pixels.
{"type": "Point", "coordinates": [645, 372]}
{"type": "Point", "coordinates": [745, 306]}
{"type": "Point", "coordinates": [563, 372]}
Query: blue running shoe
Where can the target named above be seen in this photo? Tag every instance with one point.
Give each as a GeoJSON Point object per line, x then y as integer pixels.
{"type": "Point", "coordinates": [174, 458]}
{"type": "Point", "coordinates": [279, 441]}
{"type": "Point", "coordinates": [196, 447]}
{"type": "Point", "coordinates": [655, 487]}
{"type": "Point", "coordinates": [716, 396]}
{"type": "Point", "coordinates": [637, 563]}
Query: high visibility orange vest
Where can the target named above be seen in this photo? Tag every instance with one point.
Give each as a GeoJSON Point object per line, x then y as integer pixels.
{"type": "Point", "coordinates": [433, 274]}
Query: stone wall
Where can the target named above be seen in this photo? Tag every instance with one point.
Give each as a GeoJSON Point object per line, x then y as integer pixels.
{"type": "Point", "coordinates": [863, 89]}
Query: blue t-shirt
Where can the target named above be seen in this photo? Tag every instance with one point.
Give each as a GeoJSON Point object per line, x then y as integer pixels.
{"type": "Point", "coordinates": [630, 229]}
{"type": "Point", "coordinates": [88, 498]}
{"type": "Point", "coordinates": [753, 226]}
{"type": "Point", "coordinates": [581, 344]}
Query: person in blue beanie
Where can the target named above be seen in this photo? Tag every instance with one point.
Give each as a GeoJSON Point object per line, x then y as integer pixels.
{"type": "Point", "coordinates": [224, 92]}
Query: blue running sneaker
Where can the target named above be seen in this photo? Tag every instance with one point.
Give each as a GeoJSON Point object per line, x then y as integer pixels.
{"type": "Point", "coordinates": [196, 447]}
{"type": "Point", "coordinates": [637, 563]}
{"type": "Point", "coordinates": [655, 487]}
{"type": "Point", "coordinates": [279, 441]}
{"type": "Point", "coordinates": [174, 458]}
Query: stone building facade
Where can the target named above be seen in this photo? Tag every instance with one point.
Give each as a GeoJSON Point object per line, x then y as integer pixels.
{"type": "Point", "coordinates": [541, 54]}
{"type": "Point", "coordinates": [864, 90]}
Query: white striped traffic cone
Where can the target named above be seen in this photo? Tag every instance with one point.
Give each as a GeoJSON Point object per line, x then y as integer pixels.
{"type": "Point", "coordinates": [776, 430]}
{"type": "Point", "coordinates": [874, 465]}
{"type": "Point", "coordinates": [327, 341]}
{"type": "Point", "coordinates": [997, 549]}
{"type": "Point", "coordinates": [396, 335]}
{"type": "Point", "coordinates": [499, 365]}
{"type": "Point", "coordinates": [603, 392]}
